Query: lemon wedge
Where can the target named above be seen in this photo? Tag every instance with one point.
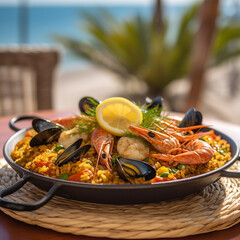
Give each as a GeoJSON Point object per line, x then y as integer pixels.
{"type": "Point", "coordinates": [115, 114]}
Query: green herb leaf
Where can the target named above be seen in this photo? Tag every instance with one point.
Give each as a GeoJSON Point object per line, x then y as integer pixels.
{"type": "Point", "coordinates": [173, 170]}
{"type": "Point", "coordinates": [181, 166]}
{"type": "Point", "coordinates": [222, 151]}
{"type": "Point", "coordinates": [164, 175]}
{"type": "Point", "coordinates": [58, 147]}
{"type": "Point", "coordinates": [64, 176]}
{"type": "Point", "coordinates": [146, 159]}
{"type": "Point", "coordinates": [113, 159]}
{"type": "Point", "coordinates": [89, 162]}
{"type": "Point", "coordinates": [86, 123]}
{"type": "Point", "coordinates": [91, 111]}
{"type": "Point", "coordinates": [151, 116]}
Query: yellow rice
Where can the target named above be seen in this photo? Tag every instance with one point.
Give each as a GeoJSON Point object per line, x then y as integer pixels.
{"type": "Point", "coordinates": [41, 160]}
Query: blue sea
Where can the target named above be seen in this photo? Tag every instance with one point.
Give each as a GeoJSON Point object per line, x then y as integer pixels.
{"type": "Point", "coordinates": [46, 21]}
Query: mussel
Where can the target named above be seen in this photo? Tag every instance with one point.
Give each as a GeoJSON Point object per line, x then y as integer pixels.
{"type": "Point", "coordinates": [191, 118]}
{"type": "Point", "coordinates": [156, 102]}
{"type": "Point", "coordinates": [73, 151]}
{"type": "Point", "coordinates": [127, 167]}
{"type": "Point", "coordinates": [86, 103]}
{"type": "Point", "coordinates": [41, 124]}
{"type": "Point", "coordinates": [47, 132]}
{"type": "Point", "coordinates": [47, 136]}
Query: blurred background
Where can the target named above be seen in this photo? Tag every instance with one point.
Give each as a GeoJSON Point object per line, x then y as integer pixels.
{"type": "Point", "coordinates": [186, 51]}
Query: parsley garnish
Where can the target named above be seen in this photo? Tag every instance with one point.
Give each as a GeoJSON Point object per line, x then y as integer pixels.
{"type": "Point", "coordinates": [86, 123]}
{"type": "Point", "coordinates": [151, 116]}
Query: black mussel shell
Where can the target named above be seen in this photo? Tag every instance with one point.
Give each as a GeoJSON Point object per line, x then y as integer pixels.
{"type": "Point", "coordinates": [41, 124]}
{"type": "Point", "coordinates": [198, 120]}
{"type": "Point", "coordinates": [71, 152]}
{"type": "Point", "coordinates": [87, 103]}
{"type": "Point", "coordinates": [121, 171]}
{"type": "Point", "coordinates": [46, 136]}
{"type": "Point", "coordinates": [68, 151]}
{"type": "Point", "coordinates": [127, 167]}
{"type": "Point", "coordinates": [191, 118]}
{"type": "Point", "coordinates": [156, 102]}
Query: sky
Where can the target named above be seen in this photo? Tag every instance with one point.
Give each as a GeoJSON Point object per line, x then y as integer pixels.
{"type": "Point", "coordinates": [94, 2]}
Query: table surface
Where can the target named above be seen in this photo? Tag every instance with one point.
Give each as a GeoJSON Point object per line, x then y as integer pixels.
{"type": "Point", "coordinates": [11, 229]}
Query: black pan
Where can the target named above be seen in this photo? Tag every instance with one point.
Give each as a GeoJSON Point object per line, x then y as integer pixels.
{"type": "Point", "coordinates": [108, 193]}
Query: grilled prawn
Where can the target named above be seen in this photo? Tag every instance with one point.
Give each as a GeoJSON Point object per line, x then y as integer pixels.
{"type": "Point", "coordinates": [103, 143]}
{"type": "Point", "coordinates": [195, 152]}
{"type": "Point", "coordinates": [178, 133]}
{"type": "Point", "coordinates": [162, 142]}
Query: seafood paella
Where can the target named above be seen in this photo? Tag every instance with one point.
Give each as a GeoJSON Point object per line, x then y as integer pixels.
{"type": "Point", "coordinates": [118, 142]}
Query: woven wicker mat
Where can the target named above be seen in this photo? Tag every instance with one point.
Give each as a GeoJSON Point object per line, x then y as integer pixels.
{"type": "Point", "coordinates": [217, 207]}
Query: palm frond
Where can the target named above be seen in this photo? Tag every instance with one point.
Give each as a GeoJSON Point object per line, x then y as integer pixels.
{"type": "Point", "coordinates": [134, 47]}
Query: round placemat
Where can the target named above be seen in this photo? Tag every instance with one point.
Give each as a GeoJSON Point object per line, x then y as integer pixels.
{"type": "Point", "coordinates": [217, 207]}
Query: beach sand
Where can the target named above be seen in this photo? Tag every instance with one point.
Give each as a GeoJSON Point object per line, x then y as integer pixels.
{"type": "Point", "coordinates": [220, 96]}
{"type": "Point", "coordinates": [72, 85]}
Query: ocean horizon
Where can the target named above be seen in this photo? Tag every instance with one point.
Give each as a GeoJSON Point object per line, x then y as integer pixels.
{"type": "Point", "coordinates": [46, 21]}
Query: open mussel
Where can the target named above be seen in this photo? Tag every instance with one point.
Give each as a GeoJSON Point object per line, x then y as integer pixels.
{"type": "Point", "coordinates": [127, 167]}
{"type": "Point", "coordinates": [44, 137]}
{"type": "Point", "coordinates": [47, 132]}
{"type": "Point", "coordinates": [72, 153]}
{"type": "Point", "coordinates": [156, 102]}
{"type": "Point", "coordinates": [86, 103]}
{"type": "Point", "coordinates": [41, 124]}
{"type": "Point", "coordinates": [191, 118]}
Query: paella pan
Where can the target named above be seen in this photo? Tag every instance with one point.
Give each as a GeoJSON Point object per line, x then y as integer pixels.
{"type": "Point", "coordinates": [146, 157]}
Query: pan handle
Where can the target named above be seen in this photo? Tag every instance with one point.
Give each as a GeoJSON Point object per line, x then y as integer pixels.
{"type": "Point", "coordinates": [25, 206]}
{"type": "Point", "coordinates": [230, 174]}
{"type": "Point", "coordinates": [19, 118]}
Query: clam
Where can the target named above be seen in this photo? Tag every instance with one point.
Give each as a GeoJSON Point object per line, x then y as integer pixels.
{"type": "Point", "coordinates": [41, 124]}
{"type": "Point", "coordinates": [73, 151]}
{"type": "Point", "coordinates": [191, 118]}
{"type": "Point", "coordinates": [156, 102]}
{"type": "Point", "coordinates": [86, 103]}
{"type": "Point", "coordinates": [127, 167]}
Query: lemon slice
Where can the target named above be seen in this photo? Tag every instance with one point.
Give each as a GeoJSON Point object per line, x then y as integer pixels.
{"type": "Point", "coordinates": [115, 114]}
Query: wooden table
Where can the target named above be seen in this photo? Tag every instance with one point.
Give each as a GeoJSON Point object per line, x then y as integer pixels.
{"type": "Point", "coordinates": [11, 229]}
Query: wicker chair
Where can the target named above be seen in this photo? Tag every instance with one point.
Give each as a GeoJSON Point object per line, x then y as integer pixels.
{"type": "Point", "coordinates": [26, 79]}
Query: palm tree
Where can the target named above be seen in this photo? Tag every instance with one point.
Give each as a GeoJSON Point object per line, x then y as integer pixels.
{"type": "Point", "coordinates": [140, 47]}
